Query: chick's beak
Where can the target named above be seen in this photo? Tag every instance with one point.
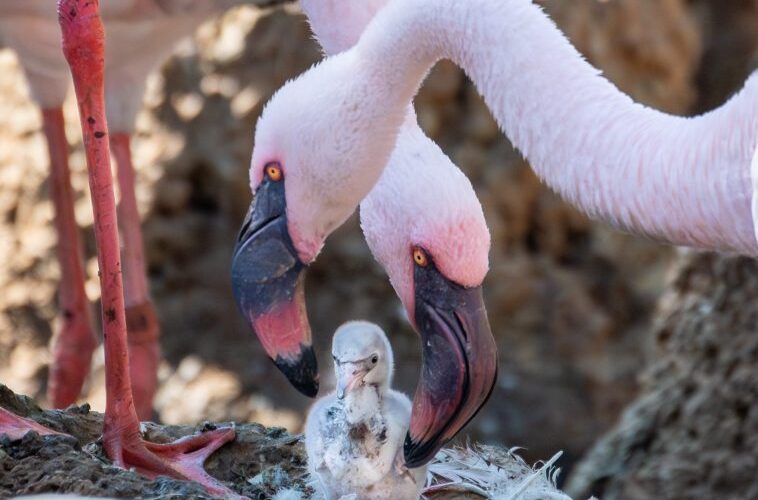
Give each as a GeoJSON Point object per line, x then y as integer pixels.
{"type": "Point", "coordinates": [349, 376]}
{"type": "Point", "coordinates": [459, 364]}
{"type": "Point", "coordinates": [268, 285]}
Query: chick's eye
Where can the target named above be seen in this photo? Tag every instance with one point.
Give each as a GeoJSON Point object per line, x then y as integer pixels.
{"type": "Point", "coordinates": [420, 257]}
{"type": "Point", "coordinates": [374, 359]}
{"type": "Point", "coordinates": [273, 171]}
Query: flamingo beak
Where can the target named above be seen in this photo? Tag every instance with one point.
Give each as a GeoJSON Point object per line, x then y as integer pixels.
{"type": "Point", "coordinates": [268, 285]}
{"type": "Point", "coordinates": [349, 376]}
{"type": "Point", "coordinates": [459, 364]}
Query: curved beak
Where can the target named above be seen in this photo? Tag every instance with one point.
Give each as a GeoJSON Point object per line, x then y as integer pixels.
{"type": "Point", "coordinates": [268, 284]}
{"type": "Point", "coordinates": [459, 365]}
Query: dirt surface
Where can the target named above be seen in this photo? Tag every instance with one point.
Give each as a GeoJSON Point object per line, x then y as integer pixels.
{"type": "Point", "coordinates": [259, 463]}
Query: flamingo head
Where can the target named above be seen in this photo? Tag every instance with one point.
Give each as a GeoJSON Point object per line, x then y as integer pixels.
{"type": "Point", "coordinates": [362, 357]}
{"type": "Point", "coordinates": [426, 227]}
{"type": "Point", "coordinates": [316, 157]}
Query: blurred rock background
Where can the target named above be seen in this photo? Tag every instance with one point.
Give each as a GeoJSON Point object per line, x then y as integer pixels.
{"type": "Point", "coordinates": [572, 302]}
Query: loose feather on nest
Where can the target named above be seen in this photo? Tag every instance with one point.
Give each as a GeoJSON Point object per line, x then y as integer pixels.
{"type": "Point", "coordinates": [492, 472]}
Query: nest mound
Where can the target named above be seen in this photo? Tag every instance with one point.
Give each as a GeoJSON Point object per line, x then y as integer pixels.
{"type": "Point", "coordinates": [258, 464]}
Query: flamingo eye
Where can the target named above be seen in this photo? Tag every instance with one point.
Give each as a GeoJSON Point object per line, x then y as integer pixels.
{"type": "Point", "coordinates": [374, 359]}
{"type": "Point", "coordinates": [420, 257]}
{"type": "Point", "coordinates": [274, 171]}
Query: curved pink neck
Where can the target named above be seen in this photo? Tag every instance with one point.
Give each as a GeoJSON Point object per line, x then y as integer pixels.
{"type": "Point", "coordinates": [681, 180]}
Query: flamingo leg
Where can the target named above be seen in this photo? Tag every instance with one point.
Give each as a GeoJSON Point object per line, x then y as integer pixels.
{"type": "Point", "coordinates": [16, 427]}
{"type": "Point", "coordinates": [83, 47]}
{"type": "Point", "coordinates": [73, 346]}
{"type": "Point", "coordinates": [141, 320]}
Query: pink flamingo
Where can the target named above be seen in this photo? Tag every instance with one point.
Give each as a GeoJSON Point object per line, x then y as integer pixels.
{"type": "Point", "coordinates": [141, 34]}
{"type": "Point", "coordinates": [83, 48]}
{"type": "Point", "coordinates": [330, 132]}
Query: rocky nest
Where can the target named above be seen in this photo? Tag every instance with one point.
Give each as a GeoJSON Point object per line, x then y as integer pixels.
{"type": "Point", "coordinates": [262, 462]}
{"type": "Point", "coordinates": [259, 463]}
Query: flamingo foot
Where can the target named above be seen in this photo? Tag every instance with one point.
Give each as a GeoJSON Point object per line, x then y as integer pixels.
{"type": "Point", "coordinates": [144, 356]}
{"type": "Point", "coordinates": [72, 356]}
{"type": "Point", "coordinates": [16, 427]}
{"type": "Point", "coordinates": [181, 459]}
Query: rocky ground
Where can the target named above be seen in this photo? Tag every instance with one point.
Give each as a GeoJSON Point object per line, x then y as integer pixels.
{"type": "Point", "coordinates": [259, 463]}
{"type": "Point", "coordinates": [571, 302]}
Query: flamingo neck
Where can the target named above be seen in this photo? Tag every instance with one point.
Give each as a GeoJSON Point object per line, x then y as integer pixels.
{"type": "Point", "coordinates": [682, 180]}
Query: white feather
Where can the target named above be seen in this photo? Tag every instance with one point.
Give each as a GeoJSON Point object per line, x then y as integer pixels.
{"type": "Point", "coordinates": [492, 472]}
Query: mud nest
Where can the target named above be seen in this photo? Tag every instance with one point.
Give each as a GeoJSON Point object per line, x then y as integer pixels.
{"type": "Point", "coordinates": [259, 463]}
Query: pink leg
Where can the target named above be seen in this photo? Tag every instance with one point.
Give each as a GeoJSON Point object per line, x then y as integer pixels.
{"type": "Point", "coordinates": [83, 46]}
{"type": "Point", "coordinates": [141, 321]}
{"type": "Point", "coordinates": [16, 427]}
{"type": "Point", "coordinates": [72, 350]}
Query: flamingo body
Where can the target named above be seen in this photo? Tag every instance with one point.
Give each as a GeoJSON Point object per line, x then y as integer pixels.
{"type": "Point", "coordinates": [681, 180]}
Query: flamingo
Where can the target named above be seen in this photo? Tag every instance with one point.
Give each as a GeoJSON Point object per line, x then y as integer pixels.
{"type": "Point", "coordinates": [84, 50]}
{"type": "Point", "coordinates": [141, 34]}
{"type": "Point", "coordinates": [324, 139]}
{"type": "Point", "coordinates": [353, 436]}
{"type": "Point", "coordinates": [443, 227]}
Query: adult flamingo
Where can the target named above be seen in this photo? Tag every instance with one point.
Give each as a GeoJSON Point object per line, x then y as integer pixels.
{"type": "Point", "coordinates": [331, 131]}
{"type": "Point", "coordinates": [423, 222]}
{"type": "Point", "coordinates": [84, 50]}
{"type": "Point", "coordinates": [140, 34]}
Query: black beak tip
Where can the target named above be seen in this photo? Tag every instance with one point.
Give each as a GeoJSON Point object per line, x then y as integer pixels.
{"type": "Point", "coordinates": [417, 454]}
{"type": "Point", "coordinates": [302, 372]}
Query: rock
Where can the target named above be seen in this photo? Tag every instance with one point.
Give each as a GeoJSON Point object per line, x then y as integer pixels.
{"type": "Point", "coordinates": [693, 431]}
{"type": "Point", "coordinates": [730, 40]}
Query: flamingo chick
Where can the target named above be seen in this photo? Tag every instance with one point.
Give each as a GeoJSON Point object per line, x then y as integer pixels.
{"type": "Point", "coordinates": [354, 436]}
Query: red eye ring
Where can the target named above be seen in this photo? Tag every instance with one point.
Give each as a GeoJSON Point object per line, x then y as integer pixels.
{"type": "Point", "coordinates": [273, 171]}
{"type": "Point", "coordinates": [420, 258]}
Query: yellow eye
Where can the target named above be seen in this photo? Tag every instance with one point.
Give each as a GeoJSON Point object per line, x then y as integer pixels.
{"type": "Point", "coordinates": [420, 257]}
{"type": "Point", "coordinates": [274, 171]}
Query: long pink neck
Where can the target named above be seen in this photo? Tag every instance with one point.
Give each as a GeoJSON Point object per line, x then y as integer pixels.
{"type": "Point", "coordinates": [682, 180]}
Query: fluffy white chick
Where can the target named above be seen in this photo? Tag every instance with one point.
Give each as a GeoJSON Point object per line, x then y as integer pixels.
{"type": "Point", "coordinates": [354, 436]}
